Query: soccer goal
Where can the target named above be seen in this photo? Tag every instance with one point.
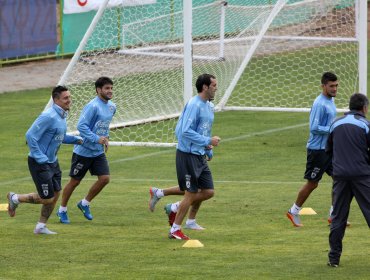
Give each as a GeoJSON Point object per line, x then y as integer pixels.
{"type": "Point", "coordinates": [266, 55]}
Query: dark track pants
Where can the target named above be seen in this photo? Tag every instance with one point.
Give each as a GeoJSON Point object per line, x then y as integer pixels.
{"type": "Point", "coordinates": [343, 191]}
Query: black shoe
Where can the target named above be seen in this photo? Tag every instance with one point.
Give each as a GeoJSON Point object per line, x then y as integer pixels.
{"type": "Point", "coordinates": [332, 264]}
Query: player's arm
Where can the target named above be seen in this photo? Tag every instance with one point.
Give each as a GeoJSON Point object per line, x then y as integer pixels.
{"type": "Point", "coordinates": [72, 139]}
{"type": "Point", "coordinates": [33, 136]}
{"type": "Point", "coordinates": [190, 117]}
{"type": "Point", "coordinates": [85, 122]}
{"type": "Point", "coordinates": [315, 121]}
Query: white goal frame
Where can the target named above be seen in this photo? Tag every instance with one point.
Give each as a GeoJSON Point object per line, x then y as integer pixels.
{"type": "Point", "coordinates": [188, 57]}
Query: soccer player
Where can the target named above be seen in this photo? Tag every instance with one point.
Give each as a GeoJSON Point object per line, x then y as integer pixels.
{"type": "Point", "coordinates": [44, 138]}
{"type": "Point", "coordinates": [93, 126]}
{"type": "Point", "coordinates": [171, 209]}
{"type": "Point", "coordinates": [349, 144]}
{"type": "Point", "coordinates": [193, 132]}
{"type": "Point", "coordinates": [322, 114]}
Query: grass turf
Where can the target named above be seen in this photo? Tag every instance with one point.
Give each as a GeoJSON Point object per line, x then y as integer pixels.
{"type": "Point", "coordinates": [257, 169]}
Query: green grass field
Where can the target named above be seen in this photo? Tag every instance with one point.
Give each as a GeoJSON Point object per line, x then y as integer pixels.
{"type": "Point", "coordinates": [257, 169]}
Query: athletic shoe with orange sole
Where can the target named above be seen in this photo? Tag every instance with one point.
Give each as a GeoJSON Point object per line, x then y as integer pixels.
{"type": "Point", "coordinates": [294, 218]}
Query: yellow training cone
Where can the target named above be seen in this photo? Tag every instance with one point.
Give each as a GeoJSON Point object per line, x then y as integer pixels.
{"type": "Point", "coordinates": [307, 211]}
{"type": "Point", "coordinates": [3, 207]}
{"type": "Point", "coordinates": [193, 243]}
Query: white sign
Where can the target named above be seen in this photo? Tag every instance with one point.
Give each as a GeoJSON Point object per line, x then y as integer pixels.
{"type": "Point", "coordinates": [83, 6]}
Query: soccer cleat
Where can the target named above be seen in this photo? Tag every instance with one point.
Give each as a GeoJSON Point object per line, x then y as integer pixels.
{"type": "Point", "coordinates": [194, 226]}
{"type": "Point", "coordinates": [330, 220]}
{"type": "Point", "coordinates": [332, 264]}
{"type": "Point", "coordinates": [153, 198]}
{"type": "Point", "coordinates": [43, 230]}
{"type": "Point", "coordinates": [63, 217]}
{"type": "Point", "coordinates": [85, 210]}
{"type": "Point", "coordinates": [171, 215]}
{"type": "Point", "coordinates": [294, 218]}
{"type": "Point", "coordinates": [178, 234]}
{"type": "Point", "coordinates": [11, 204]}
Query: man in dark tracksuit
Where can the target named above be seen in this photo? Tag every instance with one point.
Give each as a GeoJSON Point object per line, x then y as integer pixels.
{"type": "Point", "coordinates": [348, 143]}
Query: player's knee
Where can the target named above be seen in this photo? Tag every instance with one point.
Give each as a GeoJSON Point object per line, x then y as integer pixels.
{"type": "Point", "coordinates": [104, 180]}
{"type": "Point", "coordinates": [46, 201]}
{"type": "Point", "coordinates": [208, 194]}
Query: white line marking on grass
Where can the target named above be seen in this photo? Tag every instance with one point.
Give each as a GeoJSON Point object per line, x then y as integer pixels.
{"type": "Point", "coordinates": [171, 150]}
{"type": "Point", "coordinates": [264, 132]}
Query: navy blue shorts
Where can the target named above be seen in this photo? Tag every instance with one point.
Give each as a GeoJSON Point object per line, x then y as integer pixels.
{"type": "Point", "coordinates": [193, 172]}
{"type": "Point", "coordinates": [47, 177]}
{"type": "Point", "coordinates": [96, 165]}
{"type": "Point", "coordinates": [318, 162]}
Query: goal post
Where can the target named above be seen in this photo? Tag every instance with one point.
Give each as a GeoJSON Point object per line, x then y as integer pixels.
{"type": "Point", "coordinates": [267, 55]}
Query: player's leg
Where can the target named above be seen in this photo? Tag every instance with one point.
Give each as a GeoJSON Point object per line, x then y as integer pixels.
{"type": "Point", "coordinates": [100, 168]}
{"type": "Point", "coordinates": [191, 221]}
{"type": "Point", "coordinates": [184, 206]}
{"type": "Point", "coordinates": [206, 192]}
{"type": "Point", "coordinates": [79, 167]}
{"type": "Point", "coordinates": [156, 194]}
{"type": "Point", "coordinates": [316, 165]}
{"type": "Point", "coordinates": [42, 175]}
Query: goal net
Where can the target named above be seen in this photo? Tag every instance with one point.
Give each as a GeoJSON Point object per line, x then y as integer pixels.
{"type": "Point", "coordinates": [266, 55]}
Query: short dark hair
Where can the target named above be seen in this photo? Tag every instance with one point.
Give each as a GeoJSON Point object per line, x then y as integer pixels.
{"type": "Point", "coordinates": [204, 79]}
{"type": "Point", "coordinates": [358, 101]}
{"type": "Point", "coordinates": [328, 77]}
{"type": "Point", "coordinates": [57, 91]}
{"type": "Point", "coordinates": [102, 81]}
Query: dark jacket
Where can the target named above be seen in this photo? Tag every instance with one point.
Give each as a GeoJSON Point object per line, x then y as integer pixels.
{"type": "Point", "coordinates": [348, 144]}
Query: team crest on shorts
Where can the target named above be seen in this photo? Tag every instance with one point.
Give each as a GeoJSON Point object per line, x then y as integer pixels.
{"type": "Point", "coordinates": [187, 179]}
{"type": "Point", "coordinates": [314, 172]}
{"type": "Point", "coordinates": [79, 166]}
{"type": "Point", "coordinates": [45, 189]}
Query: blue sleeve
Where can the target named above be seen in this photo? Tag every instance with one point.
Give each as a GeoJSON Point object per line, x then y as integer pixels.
{"type": "Point", "coordinates": [71, 139]}
{"type": "Point", "coordinates": [87, 119]}
{"type": "Point", "coordinates": [33, 136]}
{"type": "Point", "coordinates": [209, 153]}
{"type": "Point", "coordinates": [316, 116]}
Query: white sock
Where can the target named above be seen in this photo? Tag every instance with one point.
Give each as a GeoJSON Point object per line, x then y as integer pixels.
{"type": "Point", "coordinates": [190, 221]}
{"type": "Point", "coordinates": [159, 193]}
{"type": "Point", "coordinates": [15, 199]}
{"type": "Point", "coordinates": [84, 202]}
{"type": "Point", "coordinates": [62, 209]}
{"type": "Point", "coordinates": [295, 209]}
{"type": "Point", "coordinates": [175, 228]}
{"type": "Point", "coordinates": [175, 206]}
{"type": "Point", "coordinates": [40, 225]}
{"type": "Point", "coordinates": [331, 210]}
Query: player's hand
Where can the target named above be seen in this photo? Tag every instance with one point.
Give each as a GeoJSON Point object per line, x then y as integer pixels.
{"type": "Point", "coordinates": [215, 140]}
{"type": "Point", "coordinates": [105, 142]}
{"type": "Point", "coordinates": [80, 141]}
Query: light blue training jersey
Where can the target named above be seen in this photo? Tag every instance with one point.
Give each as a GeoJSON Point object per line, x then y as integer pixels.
{"type": "Point", "coordinates": [93, 123]}
{"type": "Point", "coordinates": [322, 114]}
{"type": "Point", "coordinates": [47, 133]}
{"type": "Point", "coordinates": [194, 128]}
